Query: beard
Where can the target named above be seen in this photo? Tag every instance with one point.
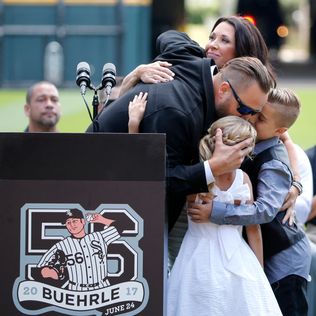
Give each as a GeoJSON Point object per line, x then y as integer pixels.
{"type": "Point", "coordinates": [48, 120]}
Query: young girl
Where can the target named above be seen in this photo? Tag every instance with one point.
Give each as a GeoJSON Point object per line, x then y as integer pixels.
{"type": "Point", "coordinates": [216, 272]}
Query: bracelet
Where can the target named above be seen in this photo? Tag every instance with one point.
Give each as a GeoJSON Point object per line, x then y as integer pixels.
{"type": "Point", "coordinates": [298, 185]}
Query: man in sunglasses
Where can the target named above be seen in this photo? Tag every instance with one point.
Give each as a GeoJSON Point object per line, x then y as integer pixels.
{"type": "Point", "coordinates": [185, 107]}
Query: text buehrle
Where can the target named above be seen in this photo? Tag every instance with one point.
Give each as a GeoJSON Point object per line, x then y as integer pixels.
{"type": "Point", "coordinates": [81, 298]}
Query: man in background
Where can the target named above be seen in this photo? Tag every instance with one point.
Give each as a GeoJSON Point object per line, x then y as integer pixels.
{"type": "Point", "coordinates": [42, 107]}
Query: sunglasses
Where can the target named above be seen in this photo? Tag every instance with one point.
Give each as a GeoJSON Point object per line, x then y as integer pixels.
{"type": "Point", "coordinates": [243, 109]}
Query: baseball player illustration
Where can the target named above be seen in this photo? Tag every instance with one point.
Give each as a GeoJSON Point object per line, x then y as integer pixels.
{"type": "Point", "coordinates": [80, 259]}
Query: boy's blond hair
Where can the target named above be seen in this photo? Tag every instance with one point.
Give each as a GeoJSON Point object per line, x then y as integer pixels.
{"type": "Point", "coordinates": [235, 130]}
{"type": "Point", "coordinates": [287, 106]}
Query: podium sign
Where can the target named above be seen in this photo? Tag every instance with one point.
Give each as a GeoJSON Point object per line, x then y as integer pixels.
{"type": "Point", "coordinates": [83, 224]}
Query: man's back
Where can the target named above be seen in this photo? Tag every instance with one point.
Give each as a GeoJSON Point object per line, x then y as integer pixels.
{"type": "Point", "coordinates": [182, 109]}
{"type": "Point", "coordinates": [188, 95]}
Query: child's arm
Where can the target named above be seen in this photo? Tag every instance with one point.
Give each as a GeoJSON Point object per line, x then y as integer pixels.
{"type": "Point", "coordinates": [200, 199]}
{"type": "Point", "coordinates": [136, 110]}
{"type": "Point", "coordinates": [255, 241]}
{"type": "Point", "coordinates": [254, 231]}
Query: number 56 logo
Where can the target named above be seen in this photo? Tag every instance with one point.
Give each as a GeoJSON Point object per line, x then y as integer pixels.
{"type": "Point", "coordinates": [80, 262]}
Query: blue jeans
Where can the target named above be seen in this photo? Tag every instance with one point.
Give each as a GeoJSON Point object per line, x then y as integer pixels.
{"type": "Point", "coordinates": [291, 294]}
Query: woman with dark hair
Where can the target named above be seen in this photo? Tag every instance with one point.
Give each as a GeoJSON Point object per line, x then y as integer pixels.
{"type": "Point", "coordinates": [230, 37]}
{"type": "Point", "coordinates": [248, 41]}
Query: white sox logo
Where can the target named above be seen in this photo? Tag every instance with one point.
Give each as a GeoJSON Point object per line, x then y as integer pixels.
{"type": "Point", "coordinates": [80, 262]}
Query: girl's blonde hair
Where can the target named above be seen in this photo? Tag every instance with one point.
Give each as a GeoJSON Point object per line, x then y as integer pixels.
{"type": "Point", "coordinates": [235, 130]}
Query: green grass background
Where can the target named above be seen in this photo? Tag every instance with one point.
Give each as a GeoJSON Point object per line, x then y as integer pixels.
{"type": "Point", "coordinates": [303, 132]}
{"type": "Point", "coordinates": [75, 117]}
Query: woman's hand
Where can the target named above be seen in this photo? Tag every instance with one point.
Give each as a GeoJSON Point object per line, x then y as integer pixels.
{"type": "Point", "coordinates": [155, 72]}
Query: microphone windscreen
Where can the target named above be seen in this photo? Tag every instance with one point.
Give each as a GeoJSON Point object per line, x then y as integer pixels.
{"type": "Point", "coordinates": [109, 68]}
{"type": "Point", "coordinates": [83, 66]}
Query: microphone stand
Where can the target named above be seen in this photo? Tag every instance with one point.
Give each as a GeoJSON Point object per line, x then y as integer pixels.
{"type": "Point", "coordinates": [95, 105]}
{"type": "Point", "coordinates": [95, 102]}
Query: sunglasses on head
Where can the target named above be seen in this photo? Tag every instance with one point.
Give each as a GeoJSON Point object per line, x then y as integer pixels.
{"type": "Point", "coordinates": [243, 109]}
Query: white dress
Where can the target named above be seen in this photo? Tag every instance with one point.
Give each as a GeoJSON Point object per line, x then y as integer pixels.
{"type": "Point", "coordinates": [216, 272]}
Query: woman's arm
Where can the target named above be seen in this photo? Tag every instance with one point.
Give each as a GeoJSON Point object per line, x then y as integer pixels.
{"type": "Point", "coordinates": [290, 147]}
{"type": "Point", "coordinates": [294, 192]}
{"type": "Point", "coordinates": [148, 73]}
{"type": "Point", "coordinates": [312, 213]}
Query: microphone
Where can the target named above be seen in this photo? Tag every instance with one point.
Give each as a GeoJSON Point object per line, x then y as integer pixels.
{"type": "Point", "coordinates": [83, 76]}
{"type": "Point", "coordinates": [108, 77]}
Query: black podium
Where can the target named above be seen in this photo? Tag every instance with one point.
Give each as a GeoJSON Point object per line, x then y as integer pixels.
{"type": "Point", "coordinates": [83, 224]}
